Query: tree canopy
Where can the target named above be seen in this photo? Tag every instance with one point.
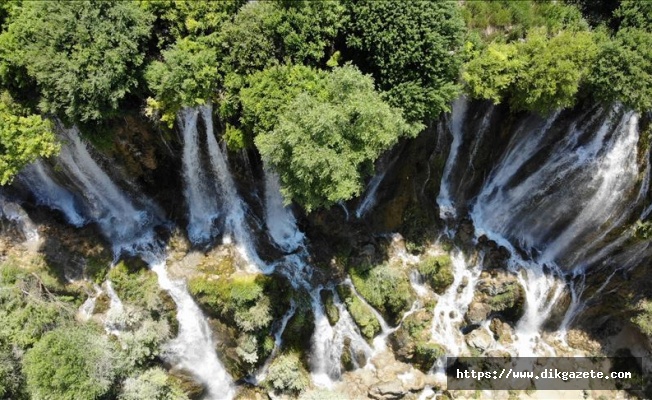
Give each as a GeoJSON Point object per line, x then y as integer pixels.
{"type": "Point", "coordinates": [69, 363]}
{"type": "Point", "coordinates": [412, 49]}
{"type": "Point", "coordinates": [84, 56]}
{"type": "Point", "coordinates": [325, 143]}
{"type": "Point", "coordinates": [23, 138]}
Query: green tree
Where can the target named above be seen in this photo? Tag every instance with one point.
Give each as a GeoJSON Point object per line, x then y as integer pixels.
{"type": "Point", "coordinates": [325, 144]}
{"type": "Point", "coordinates": [84, 56]}
{"type": "Point", "coordinates": [11, 379]}
{"type": "Point", "coordinates": [635, 14]}
{"type": "Point", "coordinates": [412, 48]}
{"type": "Point", "coordinates": [268, 93]}
{"type": "Point", "coordinates": [554, 70]}
{"type": "Point", "coordinates": [623, 69]}
{"type": "Point", "coordinates": [153, 384]}
{"type": "Point", "coordinates": [69, 363]}
{"type": "Point", "coordinates": [187, 76]}
{"type": "Point", "coordinates": [24, 137]}
{"type": "Point", "coordinates": [266, 33]}
{"type": "Point", "coordinates": [540, 74]}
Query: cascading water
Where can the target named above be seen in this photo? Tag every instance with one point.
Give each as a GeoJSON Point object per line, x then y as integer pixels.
{"type": "Point", "coordinates": [203, 211]}
{"type": "Point", "coordinates": [524, 205]}
{"type": "Point", "coordinates": [193, 348]}
{"type": "Point", "coordinates": [51, 194]}
{"type": "Point", "coordinates": [457, 119]}
{"type": "Point", "coordinates": [281, 224]}
{"type": "Point", "coordinates": [16, 215]}
{"type": "Point", "coordinates": [130, 230]}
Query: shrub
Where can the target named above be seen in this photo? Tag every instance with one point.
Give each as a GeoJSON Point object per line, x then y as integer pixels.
{"type": "Point", "coordinates": [438, 272]}
{"type": "Point", "coordinates": [154, 384]}
{"type": "Point", "coordinates": [70, 363]}
{"type": "Point", "coordinates": [287, 374]}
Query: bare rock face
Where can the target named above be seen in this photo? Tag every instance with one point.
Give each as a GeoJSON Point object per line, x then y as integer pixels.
{"type": "Point", "coordinates": [477, 313]}
{"type": "Point", "coordinates": [502, 331]}
{"type": "Point", "coordinates": [479, 339]}
{"type": "Point", "coordinates": [578, 339]}
{"type": "Point", "coordinates": [388, 391]}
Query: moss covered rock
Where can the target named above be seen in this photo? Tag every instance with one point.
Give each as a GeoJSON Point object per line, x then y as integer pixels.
{"type": "Point", "coordinates": [412, 342]}
{"type": "Point", "coordinates": [386, 288]}
{"type": "Point", "coordinates": [437, 271]}
{"type": "Point", "coordinates": [332, 313]}
{"type": "Point", "coordinates": [361, 314]}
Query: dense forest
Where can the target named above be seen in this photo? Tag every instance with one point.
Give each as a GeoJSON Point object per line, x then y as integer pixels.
{"type": "Point", "coordinates": [318, 92]}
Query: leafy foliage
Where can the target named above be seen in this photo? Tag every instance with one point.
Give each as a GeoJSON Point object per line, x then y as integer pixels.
{"type": "Point", "coordinates": [154, 384]}
{"type": "Point", "coordinates": [266, 33]}
{"type": "Point", "coordinates": [11, 379]}
{"type": "Point", "coordinates": [287, 374]}
{"type": "Point", "coordinates": [412, 50]}
{"type": "Point", "coordinates": [540, 74]}
{"type": "Point", "coordinates": [187, 76]}
{"type": "Point", "coordinates": [506, 20]}
{"type": "Point", "coordinates": [623, 69]}
{"type": "Point", "coordinates": [69, 363]}
{"type": "Point", "coordinates": [84, 56]}
{"type": "Point", "coordinates": [24, 137]}
{"type": "Point", "coordinates": [385, 288]}
{"type": "Point", "coordinates": [635, 14]}
{"type": "Point", "coordinates": [324, 145]}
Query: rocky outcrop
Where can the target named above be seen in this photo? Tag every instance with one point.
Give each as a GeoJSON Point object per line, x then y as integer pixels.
{"type": "Point", "coordinates": [498, 293]}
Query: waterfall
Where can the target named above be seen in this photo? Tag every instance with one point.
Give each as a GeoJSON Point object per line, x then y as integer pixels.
{"type": "Point", "coordinates": [328, 341]}
{"type": "Point", "coordinates": [444, 200]}
{"type": "Point", "coordinates": [193, 349]}
{"type": "Point", "coordinates": [50, 194]}
{"type": "Point", "coordinates": [579, 178]}
{"type": "Point", "coordinates": [203, 209]}
{"type": "Point", "coordinates": [15, 214]}
{"type": "Point", "coordinates": [128, 229]}
{"type": "Point", "coordinates": [451, 306]}
{"type": "Point", "coordinates": [281, 224]}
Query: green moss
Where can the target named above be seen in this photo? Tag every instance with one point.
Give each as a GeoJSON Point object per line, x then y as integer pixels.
{"type": "Point", "coordinates": [438, 272]}
{"type": "Point", "coordinates": [299, 329]}
{"type": "Point", "coordinates": [385, 288]}
{"type": "Point", "coordinates": [412, 342]}
{"type": "Point", "coordinates": [361, 314]}
{"type": "Point", "coordinates": [102, 304]}
{"type": "Point", "coordinates": [332, 313]}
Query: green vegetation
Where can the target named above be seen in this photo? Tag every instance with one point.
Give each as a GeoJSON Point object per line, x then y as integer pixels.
{"type": "Point", "coordinates": [438, 272]}
{"type": "Point", "coordinates": [70, 363]}
{"type": "Point", "coordinates": [386, 288]}
{"type": "Point", "coordinates": [24, 137]}
{"type": "Point", "coordinates": [247, 304]}
{"type": "Point", "coordinates": [644, 318]}
{"type": "Point", "coordinates": [287, 374]}
{"type": "Point", "coordinates": [412, 49]}
{"type": "Point", "coordinates": [324, 145]}
{"type": "Point", "coordinates": [361, 314]}
{"type": "Point", "coordinates": [83, 56]}
{"type": "Point", "coordinates": [412, 342]}
{"type": "Point", "coordinates": [153, 383]}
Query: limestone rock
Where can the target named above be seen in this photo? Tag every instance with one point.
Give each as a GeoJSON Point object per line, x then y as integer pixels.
{"type": "Point", "coordinates": [388, 391]}
{"type": "Point", "coordinates": [477, 313]}
{"type": "Point", "coordinates": [479, 338]}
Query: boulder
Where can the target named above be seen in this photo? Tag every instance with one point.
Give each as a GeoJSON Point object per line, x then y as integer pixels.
{"type": "Point", "coordinates": [477, 313]}
{"type": "Point", "coordinates": [388, 391]}
{"type": "Point", "coordinates": [479, 339]}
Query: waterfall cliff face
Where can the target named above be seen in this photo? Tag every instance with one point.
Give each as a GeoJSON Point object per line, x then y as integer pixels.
{"type": "Point", "coordinates": [554, 193]}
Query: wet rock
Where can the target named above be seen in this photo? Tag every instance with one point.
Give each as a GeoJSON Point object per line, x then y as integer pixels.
{"type": "Point", "coordinates": [479, 339]}
{"type": "Point", "coordinates": [412, 342]}
{"type": "Point", "coordinates": [580, 340]}
{"type": "Point", "coordinates": [497, 292]}
{"type": "Point", "coordinates": [477, 313]}
{"type": "Point", "coordinates": [502, 331]}
{"type": "Point", "coordinates": [346, 360]}
{"type": "Point", "coordinates": [495, 256]}
{"type": "Point", "coordinates": [388, 391]}
{"type": "Point", "coordinates": [465, 232]}
{"type": "Point", "coordinates": [332, 313]}
{"type": "Point", "coordinates": [194, 389]}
